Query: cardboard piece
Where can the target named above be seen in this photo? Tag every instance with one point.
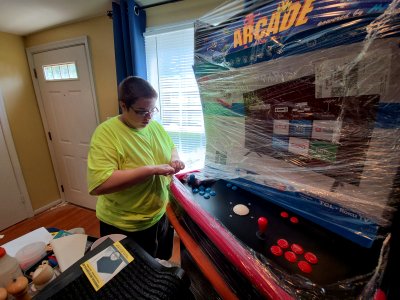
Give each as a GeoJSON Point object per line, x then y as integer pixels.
{"type": "Point", "coordinates": [69, 249]}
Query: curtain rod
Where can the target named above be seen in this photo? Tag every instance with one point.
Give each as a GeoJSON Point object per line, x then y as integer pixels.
{"type": "Point", "coordinates": [158, 4]}
{"type": "Point", "coordinates": [109, 12]}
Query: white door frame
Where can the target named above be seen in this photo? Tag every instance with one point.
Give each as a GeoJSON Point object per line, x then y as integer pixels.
{"type": "Point", "coordinates": [14, 158]}
{"type": "Point", "coordinates": [30, 52]}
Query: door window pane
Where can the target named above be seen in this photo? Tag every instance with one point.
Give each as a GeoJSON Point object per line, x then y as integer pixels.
{"type": "Point", "coordinates": [64, 71]}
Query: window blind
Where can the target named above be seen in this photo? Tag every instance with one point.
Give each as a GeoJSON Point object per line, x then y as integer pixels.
{"type": "Point", "coordinates": [169, 59]}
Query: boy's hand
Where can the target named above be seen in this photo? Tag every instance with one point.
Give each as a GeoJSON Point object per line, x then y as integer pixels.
{"type": "Point", "coordinates": [164, 170]}
{"type": "Point", "coordinates": [177, 165]}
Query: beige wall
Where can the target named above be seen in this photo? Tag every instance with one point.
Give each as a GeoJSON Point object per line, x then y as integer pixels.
{"type": "Point", "coordinates": [25, 122]}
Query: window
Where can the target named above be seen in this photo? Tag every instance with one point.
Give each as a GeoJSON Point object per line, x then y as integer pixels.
{"type": "Point", "coordinates": [64, 71]}
{"type": "Point", "coordinates": [169, 58]}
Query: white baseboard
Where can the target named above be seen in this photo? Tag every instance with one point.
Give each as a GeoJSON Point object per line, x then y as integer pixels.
{"type": "Point", "coordinates": [48, 206]}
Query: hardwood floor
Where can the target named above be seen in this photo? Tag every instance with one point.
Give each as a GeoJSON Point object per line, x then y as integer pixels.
{"type": "Point", "coordinates": [67, 216]}
{"type": "Point", "coordinates": [64, 216]}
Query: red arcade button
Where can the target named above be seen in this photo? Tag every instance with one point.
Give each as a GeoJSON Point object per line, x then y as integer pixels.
{"type": "Point", "coordinates": [304, 266]}
{"type": "Point", "coordinates": [284, 214]}
{"type": "Point", "coordinates": [311, 258]}
{"type": "Point", "coordinates": [297, 249]}
{"type": "Point", "coordinates": [294, 220]}
{"type": "Point", "coordinates": [290, 256]}
{"type": "Point", "coordinates": [380, 295]}
{"type": "Point", "coordinates": [276, 250]}
{"type": "Point", "coordinates": [283, 243]}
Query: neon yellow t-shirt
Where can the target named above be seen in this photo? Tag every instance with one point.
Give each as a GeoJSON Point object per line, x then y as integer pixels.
{"type": "Point", "coordinates": [114, 146]}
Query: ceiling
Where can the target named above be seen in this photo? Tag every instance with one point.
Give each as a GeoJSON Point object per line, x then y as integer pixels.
{"type": "Point", "coordinates": [23, 17]}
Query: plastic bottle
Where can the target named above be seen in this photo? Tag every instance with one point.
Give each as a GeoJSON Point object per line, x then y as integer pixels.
{"type": "Point", "coordinates": [9, 268]}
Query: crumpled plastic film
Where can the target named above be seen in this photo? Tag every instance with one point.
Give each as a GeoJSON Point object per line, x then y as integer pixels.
{"type": "Point", "coordinates": [310, 108]}
{"type": "Point", "coordinates": [240, 256]}
{"type": "Point", "coordinates": [265, 277]}
{"type": "Point", "coordinates": [301, 108]}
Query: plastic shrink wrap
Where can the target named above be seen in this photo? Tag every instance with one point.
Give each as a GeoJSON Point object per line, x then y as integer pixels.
{"type": "Point", "coordinates": [301, 104]}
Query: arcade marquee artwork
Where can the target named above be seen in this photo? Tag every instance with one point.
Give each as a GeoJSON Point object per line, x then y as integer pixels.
{"type": "Point", "coordinates": [301, 110]}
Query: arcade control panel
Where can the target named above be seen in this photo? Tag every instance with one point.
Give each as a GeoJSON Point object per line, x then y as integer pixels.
{"type": "Point", "coordinates": [292, 243]}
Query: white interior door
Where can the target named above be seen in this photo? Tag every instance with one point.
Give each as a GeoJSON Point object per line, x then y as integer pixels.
{"type": "Point", "coordinates": [14, 201]}
{"type": "Point", "coordinates": [70, 110]}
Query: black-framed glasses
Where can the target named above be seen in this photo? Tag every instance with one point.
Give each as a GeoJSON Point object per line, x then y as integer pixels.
{"type": "Point", "coordinates": [143, 113]}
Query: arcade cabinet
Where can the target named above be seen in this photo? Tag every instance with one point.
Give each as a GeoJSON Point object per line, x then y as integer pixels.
{"type": "Point", "coordinates": [300, 188]}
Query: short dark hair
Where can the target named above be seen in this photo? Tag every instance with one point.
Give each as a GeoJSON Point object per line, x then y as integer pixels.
{"type": "Point", "coordinates": [133, 88]}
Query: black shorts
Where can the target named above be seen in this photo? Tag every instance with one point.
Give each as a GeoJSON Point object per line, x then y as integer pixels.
{"type": "Point", "coordinates": [156, 240]}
